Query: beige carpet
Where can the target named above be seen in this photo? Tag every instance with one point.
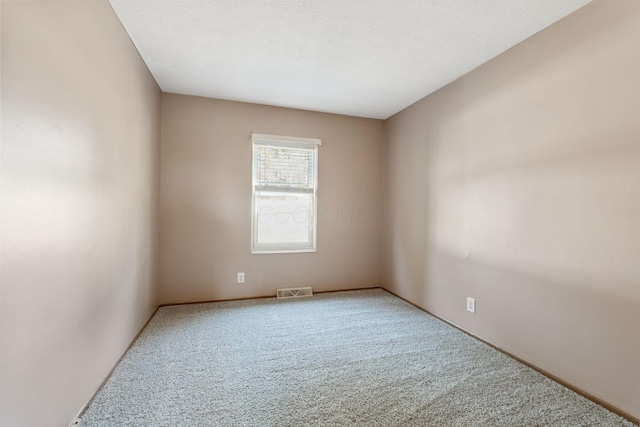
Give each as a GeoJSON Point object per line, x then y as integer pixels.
{"type": "Point", "coordinates": [361, 358]}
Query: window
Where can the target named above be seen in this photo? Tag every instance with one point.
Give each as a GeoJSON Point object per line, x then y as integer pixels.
{"type": "Point", "coordinates": [285, 181]}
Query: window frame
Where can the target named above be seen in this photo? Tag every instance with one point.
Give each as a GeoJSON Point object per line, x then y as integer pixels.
{"type": "Point", "coordinates": [279, 141]}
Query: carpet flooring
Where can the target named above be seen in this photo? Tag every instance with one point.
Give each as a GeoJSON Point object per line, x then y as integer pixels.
{"type": "Point", "coordinates": [358, 358]}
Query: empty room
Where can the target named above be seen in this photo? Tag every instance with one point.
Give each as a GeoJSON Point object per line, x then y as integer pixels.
{"type": "Point", "coordinates": [320, 213]}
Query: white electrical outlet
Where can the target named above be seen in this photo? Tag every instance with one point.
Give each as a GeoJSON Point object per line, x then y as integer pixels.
{"type": "Point", "coordinates": [471, 305]}
{"type": "Point", "coordinates": [240, 277]}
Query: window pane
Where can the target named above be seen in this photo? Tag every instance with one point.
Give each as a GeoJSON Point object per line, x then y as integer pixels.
{"type": "Point", "coordinates": [283, 218]}
{"type": "Point", "coordinates": [284, 194]}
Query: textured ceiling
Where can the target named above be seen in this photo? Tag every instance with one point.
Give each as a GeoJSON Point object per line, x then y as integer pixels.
{"type": "Point", "coordinates": [368, 58]}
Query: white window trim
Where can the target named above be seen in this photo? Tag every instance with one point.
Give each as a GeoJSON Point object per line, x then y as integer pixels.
{"type": "Point", "coordinates": [292, 142]}
{"type": "Point", "coordinates": [264, 139]}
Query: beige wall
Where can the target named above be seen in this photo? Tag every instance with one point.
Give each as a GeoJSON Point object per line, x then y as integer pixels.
{"type": "Point", "coordinates": [519, 185]}
{"type": "Point", "coordinates": [80, 132]}
{"type": "Point", "coordinates": [205, 213]}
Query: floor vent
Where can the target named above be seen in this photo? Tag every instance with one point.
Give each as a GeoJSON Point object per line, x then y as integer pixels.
{"type": "Point", "coordinates": [285, 293]}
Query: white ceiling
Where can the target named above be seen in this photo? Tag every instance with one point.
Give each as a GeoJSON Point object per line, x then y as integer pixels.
{"type": "Point", "coordinates": [367, 58]}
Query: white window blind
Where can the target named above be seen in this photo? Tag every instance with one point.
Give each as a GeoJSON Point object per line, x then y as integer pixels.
{"type": "Point", "coordinates": [284, 194]}
{"type": "Point", "coordinates": [284, 168]}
